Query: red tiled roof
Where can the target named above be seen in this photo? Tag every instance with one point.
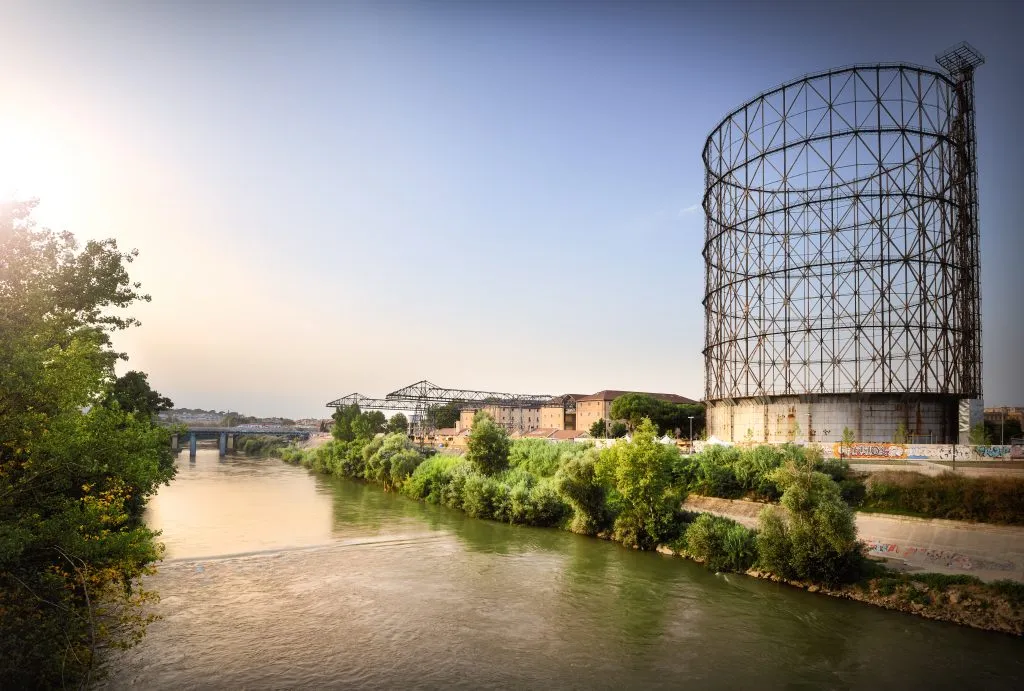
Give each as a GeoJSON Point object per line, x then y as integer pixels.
{"type": "Point", "coordinates": [563, 434]}
{"type": "Point", "coordinates": [539, 433]}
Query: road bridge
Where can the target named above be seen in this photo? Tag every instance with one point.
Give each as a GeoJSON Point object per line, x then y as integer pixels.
{"type": "Point", "coordinates": [227, 436]}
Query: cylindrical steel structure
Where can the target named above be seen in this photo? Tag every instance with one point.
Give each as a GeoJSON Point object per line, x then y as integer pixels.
{"type": "Point", "coordinates": [842, 251]}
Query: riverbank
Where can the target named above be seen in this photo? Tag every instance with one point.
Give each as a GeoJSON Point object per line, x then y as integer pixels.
{"type": "Point", "coordinates": [962, 600]}
{"type": "Point", "coordinates": [631, 494]}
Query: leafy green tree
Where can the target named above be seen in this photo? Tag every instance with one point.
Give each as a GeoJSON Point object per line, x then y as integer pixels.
{"type": "Point", "coordinates": [667, 417]}
{"type": "Point", "coordinates": [343, 418]}
{"type": "Point", "coordinates": [398, 423]}
{"type": "Point", "coordinates": [132, 393]}
{"type": "Point", "coordinates": [443, 416]}
{"type": "Point", "coordinates": [634, 407]}
{"type": "Point", "coordinates": [75, 469]}
{"type": "Point", "coordinates": [641, 472]}
{"type": "Point", "coordinates": [580, 483]}
{"type": "Point", "coordinates": [847, 442]}
{"type": "Point", "coordinates": [599, 429]}
{"type": "Point", "coordinates": [618, 430]}
{"type": "Point", "coordinates": [813, 535]}
{"type": "Point", "coordinates": [488, 445]}
{"type": "Point", "coordinates": [368, 424]}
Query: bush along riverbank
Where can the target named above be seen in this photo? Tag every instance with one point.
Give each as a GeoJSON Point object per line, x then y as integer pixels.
{"type": "Point", "coordinates": [632, 493]}
{"type": "Point", "coordinates": [748, 473]}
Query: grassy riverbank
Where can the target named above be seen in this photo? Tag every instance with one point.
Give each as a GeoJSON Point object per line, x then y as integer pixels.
{"type": "Point", "coordinates": [632, 493]}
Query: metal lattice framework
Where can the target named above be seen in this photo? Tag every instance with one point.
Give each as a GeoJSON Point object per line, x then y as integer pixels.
{"type": "Point", "coordinates": [432, 393]}
{"type": "Point", "coordinates": [369, 403]}
{"type": "Point", "coordinates": [842, 236]}
{"type": "Point", "coordinates": [418, 398]}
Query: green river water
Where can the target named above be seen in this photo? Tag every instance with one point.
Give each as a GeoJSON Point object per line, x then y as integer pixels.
{"type": "Point", "coordinates": [279, 578]}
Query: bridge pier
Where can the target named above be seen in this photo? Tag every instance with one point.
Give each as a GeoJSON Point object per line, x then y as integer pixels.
{"type": "Point", "coordinates": [192, 446]}
{"type": "Point", "coordinates": [174, 444]}
{"type": "Point", "coordinates": [231, 443]}
{"type": "Point", "coordinates": [223, 444]}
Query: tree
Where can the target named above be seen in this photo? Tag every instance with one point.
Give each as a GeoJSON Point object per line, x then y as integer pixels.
{"type": "Point", "coordinates": [488, 445]}
{"type": "Point", "coordinates": [847, 442]}
{"type": "Point", "coordinates": [75, 469]}
{"type": "Point", "coordinates": [368, 424]}
{"type": "Point", "coordinates": [641, 472]}
{"type": "Point", "coordinates": [343, 418]}
{"type": "Point", "coordinates": [132, 393]}
{"type": "Point", "coordinates": [599, 428]}
{"type": "Point", "coordinates": [618, 430]}
{"type": "Point", "coordinates": [398, 423]}
{"type": "Point", "coordinates": [667, 417]}
{"type": "Point", "coordinates": [634, 407]}
{"type": "Point", "coordinates": [443, 416]}
{"type": "Point", "coordinates": [813, 536]}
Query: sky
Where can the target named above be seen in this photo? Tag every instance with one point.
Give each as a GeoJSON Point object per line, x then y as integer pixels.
{"type": "Point", "coordinates": [331, 198]}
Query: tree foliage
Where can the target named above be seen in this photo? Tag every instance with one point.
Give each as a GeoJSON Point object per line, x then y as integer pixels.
{"type": "Point", "coordinates": [813, 536]}
{"type": "Point", "coordinates": [667, 417]}
{"type": "Point", "coordinates": [79, 455]}
{"type": "Point", "coordinates": [398, 423]}
{"type": "Point", "coordinates": [443, 416]}
{"type": "Point", "coordinates": [488, 445]}
{"type": "Point", "coordinates": [132, 393]}
{"type": "Point", "coordinates": [599, 429]}
{"type": "Point", "coordinates": [641, 472]}
{"type": "Point", "coordinates": [343, 418]}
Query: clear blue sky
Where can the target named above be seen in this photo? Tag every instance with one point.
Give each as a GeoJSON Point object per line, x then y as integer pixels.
{"type": "Point", "coordinates": [345, 197]}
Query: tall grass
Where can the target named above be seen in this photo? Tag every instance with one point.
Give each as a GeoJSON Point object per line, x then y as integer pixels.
{"type": "Point", "coordinates": [986, 499]}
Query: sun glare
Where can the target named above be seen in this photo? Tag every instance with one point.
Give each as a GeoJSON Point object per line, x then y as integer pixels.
{"type": "Point", "coordinates": [36, 163]}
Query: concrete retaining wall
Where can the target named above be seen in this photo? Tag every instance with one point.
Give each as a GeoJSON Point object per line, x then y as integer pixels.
{"type": "Point", "coordinates": [909, 452]}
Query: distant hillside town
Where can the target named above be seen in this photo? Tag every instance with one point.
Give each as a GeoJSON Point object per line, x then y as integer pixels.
{"type": "Point", "coordinates": [230, 418]}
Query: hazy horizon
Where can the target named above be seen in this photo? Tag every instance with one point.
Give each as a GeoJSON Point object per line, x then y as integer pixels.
{"type": "Point", "coordinates": [331, 199]}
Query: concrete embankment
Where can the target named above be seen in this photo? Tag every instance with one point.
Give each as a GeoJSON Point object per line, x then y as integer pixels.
{"type": "Point", "coordinates": [990, 552]}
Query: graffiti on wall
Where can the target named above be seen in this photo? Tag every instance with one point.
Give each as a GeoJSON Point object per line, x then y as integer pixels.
{"type": "Point", "coordinates": [1017, 452]}
{"type": "Point", "coordinates": [870, 450]}
{"type": "Point", "coordinates": [941, 557]}
{"type": "Point", "coordinates": [934, 452]}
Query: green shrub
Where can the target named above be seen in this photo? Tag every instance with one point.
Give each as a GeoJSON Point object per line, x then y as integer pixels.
{"type": "Point", "coordinates": [721, 543]}
{"type": "Point", "coordinates": [987, 499]}
{"type": "Point", "coordinates": [641, 472]}
{"type": "Point", "coordinates": [393, 459]}
{"type": "Point", "coordinates": [580, 484]}
{"type": "Point", "coordinates": [543, 458]}
{"type": "Point", "coordinates": [430, 477]}
{"type": "Point", "coordinates": [488, 445]}
{"type": "Point", "coordinates": [813, 537]}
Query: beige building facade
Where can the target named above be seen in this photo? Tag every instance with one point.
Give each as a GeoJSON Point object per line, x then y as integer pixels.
{"type": "Point", "coordinates": [590, 409]}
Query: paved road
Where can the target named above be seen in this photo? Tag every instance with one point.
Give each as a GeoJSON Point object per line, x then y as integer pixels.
{"type": "Point", "coordinates": [990, 552]}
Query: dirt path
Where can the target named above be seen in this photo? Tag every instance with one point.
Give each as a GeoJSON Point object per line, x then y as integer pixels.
{"type": "Point", "coordinates": [990, 552]}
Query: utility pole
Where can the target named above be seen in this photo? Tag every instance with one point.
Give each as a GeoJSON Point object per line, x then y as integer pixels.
{"type": "Point", "coordinates": [691, 433]}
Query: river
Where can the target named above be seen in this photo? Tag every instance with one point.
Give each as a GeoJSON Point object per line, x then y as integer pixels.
{"type": "Point", "coordinates": [279, 578]}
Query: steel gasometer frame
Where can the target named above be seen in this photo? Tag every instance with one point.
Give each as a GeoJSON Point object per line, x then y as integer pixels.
{"type": "Point", "coordinates": [841, 243]}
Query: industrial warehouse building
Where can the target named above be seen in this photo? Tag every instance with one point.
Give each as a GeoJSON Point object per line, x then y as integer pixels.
{"type": "Point", "coordinates": [568, 412]}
